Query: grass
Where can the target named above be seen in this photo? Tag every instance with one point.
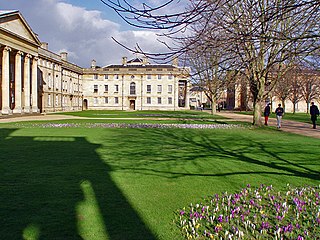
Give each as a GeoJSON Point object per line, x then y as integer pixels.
{"type": "Point", "coordinates": [144, 114]}
{"type": "Point", "coordinates": [93, 183]}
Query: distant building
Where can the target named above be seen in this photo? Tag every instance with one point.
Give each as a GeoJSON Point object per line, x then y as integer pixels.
{"type": "Point", "coordinates": [136, 85]}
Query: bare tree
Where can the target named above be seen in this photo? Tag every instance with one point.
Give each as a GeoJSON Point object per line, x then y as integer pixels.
{"type": "Point", "coordinates": [310, 85]}
{"type": "Point", "coordinates": [295, 87]}
{"type": "Point", "coordinates": [256, 36]}
{"type": "Point", "coordinates": [282, 88]}
{"type": "Point", "coordinates": [207, 75]}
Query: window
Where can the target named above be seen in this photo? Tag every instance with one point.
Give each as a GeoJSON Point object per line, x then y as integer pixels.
{"type": "Point", "coordinates": [116, 76]}
{"type": "Point", "coordinates": [95, 88]}
{"type": "Point", "coordinates": [95, 101]}
{"type": "Point", "coordinates": [148, 88]}
{"type": "Point", "coordinates": [106, 100]}
{"type": "Point", "coordinates": [106, 76]}
{"type": "Point", "coordinates": [95, 76]}
{"type": "Point", "coordinates": [169, 88]}
{"type": "Point", "coordinates": [170, 76]}
{"type": "Point", "coordinates": [50, 80]}
{"type": "Point", "coordinates": [106, 88]}
{"type": "Point", "coordinates": [49, 100]}
{"type": "Point", "coordinates": [57, 100]}
{"type": "Point", "coordinates": [149, 76]}
{"type": "Point", "coordinates": [148, 100]}
{"type": "Point", "coordinates": [132, 88]}
{"type": "Point", "coordinates": [169, 100]}
{"type": "Point", "coordinates": [116, 100]}
{"type": "Point", "coordinates": [116, 88]}
{"type": "Point", "coordinates": [57, 82]}
{"type": "Point", "coordinates": [159, 77]}
{"type": "Point", "coordinates": [159, 100]}
{"type": "Point", "coordinates": [159, 88]}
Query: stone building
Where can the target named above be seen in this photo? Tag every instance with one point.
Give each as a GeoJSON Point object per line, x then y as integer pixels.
{"type": "Point", "coordinates": [136, 85]}
{"type": "Point", "coordinates": [60, 82]}
{"type": "Point", "coordinates": [19, 65]}
{"type": "Point", "coordinates": [35, 80]}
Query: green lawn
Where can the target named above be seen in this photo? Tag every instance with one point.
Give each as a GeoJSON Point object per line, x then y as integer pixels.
{"type": "Point", "coordinates": [126, 183]}
{"type": "Point", "coordinates": [144, 114]}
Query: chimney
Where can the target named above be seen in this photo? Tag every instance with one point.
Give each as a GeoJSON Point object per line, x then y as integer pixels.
{"type": "Point", "coordinates": [44, 45]}
{"type": "Point", "coordinates": [64, 56]}
{"type": "Point", "coordinates": [175, 62]}
{"type": "Point", "coordinates": [93, 64]}
{"type": "Point", "coordinates": [124, 61]}
{"type": "Point", "coordinates": [144, 60]}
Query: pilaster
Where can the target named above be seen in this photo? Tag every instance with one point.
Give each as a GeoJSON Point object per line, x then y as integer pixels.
{"type": "Point", "coordinates": [18, 78]}
{"type": "Point", "coordinates": [26, 84]}
{"type": "Point", "coordinates": [6, 81]}
{"type": "Point", "coordinates": [34, 87]}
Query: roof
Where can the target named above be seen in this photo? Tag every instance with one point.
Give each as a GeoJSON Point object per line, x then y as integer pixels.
{"type": "Point", "coordinates": [136, 60]}
{"type": "Point", "coordinates": [16, 14]}
{"type": "Point", "coordinates": [5, 12]}
{"type": "Point", "coordinates": [140, 66]}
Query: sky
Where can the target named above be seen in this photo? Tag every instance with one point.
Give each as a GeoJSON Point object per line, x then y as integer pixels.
{"type": "Point", "coordinates": [84, 29]}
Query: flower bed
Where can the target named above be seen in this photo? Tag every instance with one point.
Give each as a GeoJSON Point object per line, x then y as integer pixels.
{"type": "Point", "coordinates": [261, 213]}
{"type": "Point", "coordinates": [130, 125]}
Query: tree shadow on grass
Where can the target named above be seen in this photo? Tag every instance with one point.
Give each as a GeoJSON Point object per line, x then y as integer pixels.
{"type": "Point", "coordinates": [58, 188]}
{"type": "Point", "coordinates": [167, 152]}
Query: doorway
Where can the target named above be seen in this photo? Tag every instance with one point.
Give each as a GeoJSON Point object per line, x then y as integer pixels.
{"type": "Point", "coordinates": [132, 104]}
{"type": "Point", "coordinates": [85, 104]}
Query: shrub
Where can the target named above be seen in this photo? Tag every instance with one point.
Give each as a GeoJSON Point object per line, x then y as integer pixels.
{"type": "Point", "coordinates": [261, 213]}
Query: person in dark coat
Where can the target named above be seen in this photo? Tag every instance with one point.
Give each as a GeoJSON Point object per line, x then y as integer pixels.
{"type": "Point", "coordinates": [279, 113]}
{"type": "Point", "coordinates": [266, 114]}
{"type": "Point", "coordinates": [314, 112]}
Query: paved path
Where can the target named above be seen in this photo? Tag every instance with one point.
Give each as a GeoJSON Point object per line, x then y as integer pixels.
{"type": "Point", "coordinates": [287, 125]}
{"type": "Point", "coordinates": [38, 117]}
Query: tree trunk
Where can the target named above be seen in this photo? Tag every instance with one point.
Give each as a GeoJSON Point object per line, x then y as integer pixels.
{"type": "Point", "coordinates": [257, 120]}
{"type": "Point", "coordinates": [308, 106]}
{"type": "Point", "coordinates": [283, 104]}
{"type": "Point", "coordinates": [213, 106]}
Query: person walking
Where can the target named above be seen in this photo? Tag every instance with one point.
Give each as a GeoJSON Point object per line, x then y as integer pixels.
{"type": "Point", "coordinates": [279, 113]}
{"type": "Point", "coordinates": [266, 114]}
{"type": "Point", "coordinates": [314, 112]}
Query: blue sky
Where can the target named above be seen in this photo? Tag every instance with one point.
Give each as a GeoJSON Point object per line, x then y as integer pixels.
{"type": "Point", "coordinates": [83, 28]}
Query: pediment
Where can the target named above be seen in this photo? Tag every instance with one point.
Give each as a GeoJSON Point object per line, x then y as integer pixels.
{"type": "Point", "coordinates": [15, 24]}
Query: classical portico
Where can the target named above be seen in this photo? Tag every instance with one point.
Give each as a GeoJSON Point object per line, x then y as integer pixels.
{"type": "Point", "coordinates": [19, 65]}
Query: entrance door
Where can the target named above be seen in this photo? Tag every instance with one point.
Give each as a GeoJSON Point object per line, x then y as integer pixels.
{"type": "Point", "coordinates": [132, 105]}
{"type": "Point", "coordinates": [85, 104]}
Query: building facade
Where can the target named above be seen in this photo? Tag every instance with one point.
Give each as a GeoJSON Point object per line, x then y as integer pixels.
{"type": "Point", "coordinates": [60, 82]}
{"type": "Point", "coordinates": [36, 80]}
{"type": "Point", "coordinates": [136, 85]}
{"type": "Point", "coordinates": [19, 65]}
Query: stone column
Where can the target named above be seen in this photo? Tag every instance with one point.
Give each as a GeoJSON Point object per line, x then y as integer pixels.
{"type": "Point", "coordinates": [17, 90]}
{"type": "Point", "coordinates": [35, 108]}
{"type": "Point", "coordinates": [26, 86]}
{"type": "Point", "coordinates": [6, 81]}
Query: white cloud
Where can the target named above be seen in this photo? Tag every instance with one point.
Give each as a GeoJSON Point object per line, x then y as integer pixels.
{"type": "Point", "coordinates": [83, 33]}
